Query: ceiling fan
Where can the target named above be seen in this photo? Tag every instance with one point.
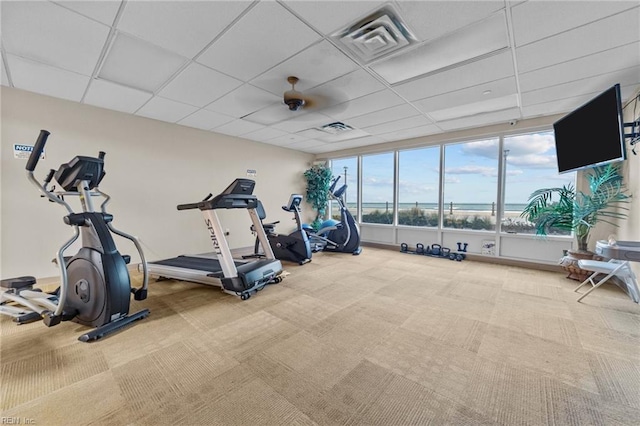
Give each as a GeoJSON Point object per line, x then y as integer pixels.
{"type": "Point", "coordinates": [296, 100]}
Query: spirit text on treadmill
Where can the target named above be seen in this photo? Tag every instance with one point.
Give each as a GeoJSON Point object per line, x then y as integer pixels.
{"type": "Point", "coordinates": [214, 239]}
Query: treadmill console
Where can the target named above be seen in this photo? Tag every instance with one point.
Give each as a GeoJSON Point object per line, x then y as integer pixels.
{"type": "Point", "coordinates": [238, 195]}
{"type": "Point", "coordinates": [240, 186]}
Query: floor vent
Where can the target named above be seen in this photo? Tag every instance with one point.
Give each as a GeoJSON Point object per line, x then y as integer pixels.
{"type": "Point", "coordinates": [375, 36]}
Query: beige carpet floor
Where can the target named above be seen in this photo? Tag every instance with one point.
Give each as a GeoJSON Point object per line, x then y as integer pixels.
{"type": "Point", "coordinates": [383, 338]}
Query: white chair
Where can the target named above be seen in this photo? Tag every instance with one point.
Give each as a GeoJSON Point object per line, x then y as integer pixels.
{"type": "Point", "coordinates": [614, 267]}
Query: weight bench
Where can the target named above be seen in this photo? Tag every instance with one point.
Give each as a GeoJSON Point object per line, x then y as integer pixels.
{"type": "Point", "coordinates": [614, 267]}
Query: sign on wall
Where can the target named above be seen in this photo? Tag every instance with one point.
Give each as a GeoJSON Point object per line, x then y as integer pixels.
{"type": "Point", "coordinates": [252, 173]}
{"type": "Point", "coordinates": [23, 152]}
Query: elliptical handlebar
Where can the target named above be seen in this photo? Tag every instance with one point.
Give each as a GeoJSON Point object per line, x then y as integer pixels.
{"type": "Point", "coordinates": [32, 162]}
{"type": "Point", "coordinates": [333, 184]}
{"type": "Point", "coordinates": [37, 150]}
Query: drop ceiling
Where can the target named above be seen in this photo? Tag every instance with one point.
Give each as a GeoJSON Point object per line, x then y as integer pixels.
{"type": "Point", "coordinates": [389, 70]}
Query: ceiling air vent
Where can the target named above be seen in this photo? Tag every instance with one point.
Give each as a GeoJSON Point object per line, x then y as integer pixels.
{"type": "Point", "coordinates": [375, 36]}
{"type": "Point", "coordinates": [336, 128]}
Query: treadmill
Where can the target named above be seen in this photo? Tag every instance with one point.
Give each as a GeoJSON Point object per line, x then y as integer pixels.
{"type": "Point", "coordinates": [235, 277]}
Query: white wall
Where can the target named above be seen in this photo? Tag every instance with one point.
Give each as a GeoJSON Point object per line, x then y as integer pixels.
{"type": "Point", "coordinates": [151, 166]}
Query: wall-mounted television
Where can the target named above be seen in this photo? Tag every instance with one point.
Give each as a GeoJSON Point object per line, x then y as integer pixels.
{"type": "Point", "coordinates": [591, 135]}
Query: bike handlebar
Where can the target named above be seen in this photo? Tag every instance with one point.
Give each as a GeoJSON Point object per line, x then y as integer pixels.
{"type": "Point", "coordinates": [37, 150]}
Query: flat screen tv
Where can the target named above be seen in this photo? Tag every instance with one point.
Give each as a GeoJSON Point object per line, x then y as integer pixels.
{"type": "Point", "coordinates": [591, 135]}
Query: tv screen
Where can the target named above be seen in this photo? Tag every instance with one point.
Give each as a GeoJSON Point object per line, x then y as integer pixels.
{"type": "Point", "coordinates": [591, 135]}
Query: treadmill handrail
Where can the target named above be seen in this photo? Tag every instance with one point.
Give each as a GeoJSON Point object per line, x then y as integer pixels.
{"type": "Point", "coordinates": [224, 201]}
{"type": "Point", "coordinates": [190, 206]}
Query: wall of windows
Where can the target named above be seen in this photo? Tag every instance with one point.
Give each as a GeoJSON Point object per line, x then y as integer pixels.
{"type": "Point", "coordinates": [471, 185]}
{"type": "Point", "coordinates": [378, 188]}
{"type": "Point", "coordinates": [347, 169]}
{"type": "Point", "coordinates": [484, 184]}
{"type": "Point", "coordinates": [529, 164]}
{"type": "Point", "coordinates": [419, 187]}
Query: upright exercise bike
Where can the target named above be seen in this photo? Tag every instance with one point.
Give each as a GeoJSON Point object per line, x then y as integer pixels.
{"type": "Point", "coordinates": [343, 236]}
{"type": "Point", "coordinates": [95, 286]}
{"type": "Point", "coordinates": [293, 247]}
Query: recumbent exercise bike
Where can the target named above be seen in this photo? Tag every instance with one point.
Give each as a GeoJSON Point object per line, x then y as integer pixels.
{"type": "Point", "coordinates": [293, 247]}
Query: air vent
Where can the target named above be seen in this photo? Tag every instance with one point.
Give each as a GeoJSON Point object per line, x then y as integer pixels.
{"type": "Point", "coordinates": [336, 128]}
{"type": "Point", "coordinates": [375, 36]}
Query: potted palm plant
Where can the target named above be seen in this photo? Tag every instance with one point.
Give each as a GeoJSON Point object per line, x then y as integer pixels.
{"type": "Point", "coordinates": [566, 209]}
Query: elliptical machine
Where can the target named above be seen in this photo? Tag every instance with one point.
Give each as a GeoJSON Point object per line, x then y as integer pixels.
{"type": "Point", "coordinates": [95, 284]}
{"type": "Point", "coordinates": [294, 247]}
{"type": "Point", "coordinates": [343, 236]}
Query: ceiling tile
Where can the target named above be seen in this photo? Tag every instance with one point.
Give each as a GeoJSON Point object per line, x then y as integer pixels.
{"type": "Point", "coordinates": [267, 35]}
{"type": "Point", "coordinates": [364, 105]}
{"type": "Point", "coordinates": [306, 144]}
{"type": "Point", "coordinates": [600, 63]}
{"type": "Point", "coordinates": [469, 95]}
{"type": "Point", "coordinates": [559, 16]}
{"type": "Point", "coordinates": [317, 149]}
{"type": "Point", "coordinates": [198, 85]}
{"type": "Point", "coordinates": [101, 11]}
{"type": "Point", "coordinates": [313, 66]}
{"type": "Point", "coordinates": [243, 101]}
{"type": "Point", "coordinates": [482, 38]}
{"type": "Point", "coordinates": [327, 18]}
{"type": "Point", "coordinates": [205, 120]}
{"type": "Point", "coordinates": [350, 86]}
{"type": "Point", "coordinates": [353, 143]}
{"type": "Point", "coordinates": [238, 128]}
{"type": "Point", "coordinates": [586, 40]}
{"type": "Point", "coordinates": [46, 80]}
{"type": "Point", "coordinates": [138, 64]}
{"type": "Point", "coordinates": [184, 27]}
{"type": "Point", "coordinates": [286, 139]}
{"type": "Point", "coordinates": [593, 85]}
{"type": "Point", "coordinates": [51, 34]}
{"type": "Point", "coordinates": [305, 121]}
{"type": "Point", "coordinates": [494, 67]}
{"type": "Point", "coordinates": [414, 132]}
{"type": "Point", "coordinates": [554, 107]}
{"type": "Point", "coordinates": [476, 108]}
{"type": "Point", "coordinates": [432, 19]}
{"type": "Point", "coordinates": [272, 114]}
{"type": "Point", "coordinates": [114, 96]}
{"type": "Point", "coordinates": [165, 110]}
{"type": "Point", "coordinates": [265, 134]}
{"type": "Point", "coordinates": [383, 116]}
{"type": "Point", "coordinates": [481, 119]}
{"type": "Point", "coordinates": [402, 124]}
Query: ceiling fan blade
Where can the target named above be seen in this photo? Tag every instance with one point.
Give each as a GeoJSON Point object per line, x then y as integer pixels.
{"type": "Point", "coordinates": [324, 99]}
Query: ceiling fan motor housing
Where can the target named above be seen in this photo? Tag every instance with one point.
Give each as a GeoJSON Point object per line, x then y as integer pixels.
{"type": "Point", "coordinates": [294, 104]}
{"type": "Point", "coordinates": [292, 98]}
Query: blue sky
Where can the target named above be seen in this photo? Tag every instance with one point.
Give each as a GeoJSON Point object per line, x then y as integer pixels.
{"type": "Point", "coordinates": [471, 171]}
